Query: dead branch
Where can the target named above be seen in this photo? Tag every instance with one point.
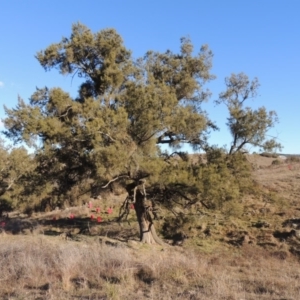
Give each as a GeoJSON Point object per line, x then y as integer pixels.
{"type": "Point", "coordinates": [116, 178]}
{"type": "Point", "coordinates": [124, 210]}
{"type": "Point", "coordinates": [107, 135]}
{"type": "Point", "coordinates": [144, 189]}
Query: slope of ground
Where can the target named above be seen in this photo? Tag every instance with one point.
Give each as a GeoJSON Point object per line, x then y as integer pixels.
{"type": "Point", "coordinates": [82, 253]}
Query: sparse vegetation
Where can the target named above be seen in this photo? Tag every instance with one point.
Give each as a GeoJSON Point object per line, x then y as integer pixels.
{"type": "Point", "coordinates": [248, 249]}
{"type": "Point", "coordinates": [38, 267]}
{"type": "Point", "coordinates": [293, 159]}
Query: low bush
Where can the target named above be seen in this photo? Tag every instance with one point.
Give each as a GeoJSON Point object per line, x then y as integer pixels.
{"type": "Point", "coordinates": [276, 162]}
{"type": "Point", "coordinates": [293, 159]}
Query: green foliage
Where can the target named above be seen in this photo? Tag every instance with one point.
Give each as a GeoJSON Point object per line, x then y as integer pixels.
{"type": "Point", "coordinates": [224, 177]}
{"type": "Point", "coordinates": [16, 166]}
{"type": "Point", "coordinates": [247, 126]}
{"type": "Point", "coordinates": [178, 227]}
{"type": "Point", "coordinates": [99, 58]}
{"type": "Point", "coordinates": [124, 112]}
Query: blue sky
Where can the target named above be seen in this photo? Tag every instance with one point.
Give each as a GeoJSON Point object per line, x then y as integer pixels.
{"type": "Point", "coordinates": [259, 37]}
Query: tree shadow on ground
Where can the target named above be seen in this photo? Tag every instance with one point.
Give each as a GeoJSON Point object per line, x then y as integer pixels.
{"type": "Point", "coordinates": [76, 226]}
{"type": "Point", "coordinates": [294, 223]}
{"type": "Point", "coordinates": [18, 225]}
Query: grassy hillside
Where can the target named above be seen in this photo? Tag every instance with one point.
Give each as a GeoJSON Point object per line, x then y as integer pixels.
{"type": "Point", "coordinates": [248, 250]}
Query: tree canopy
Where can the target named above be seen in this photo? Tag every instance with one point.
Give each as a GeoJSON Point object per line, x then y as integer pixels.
{"type": "Point", "coordinates": [125, 110]}
{"type": "Point", "coordinates": [247, 126]}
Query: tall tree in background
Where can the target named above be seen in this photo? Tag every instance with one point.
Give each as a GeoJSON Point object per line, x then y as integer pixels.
{"type": "Point", "coordinates": [124, 111]}
{"type": "Point", "coordinates": [247, 126]}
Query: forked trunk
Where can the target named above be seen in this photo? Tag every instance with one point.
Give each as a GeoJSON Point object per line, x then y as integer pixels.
{"type": "Point", "coordinates": [147, 230]}
{"type": "Point", "coordinates": [142, 209]}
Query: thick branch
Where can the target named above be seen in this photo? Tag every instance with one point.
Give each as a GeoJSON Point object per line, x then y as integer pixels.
{"type": "Point", "coordinates": [116, 178]}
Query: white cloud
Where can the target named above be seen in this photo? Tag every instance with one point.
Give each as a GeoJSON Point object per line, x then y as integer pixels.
{"type": "Point", "coordinates": [1, 84]}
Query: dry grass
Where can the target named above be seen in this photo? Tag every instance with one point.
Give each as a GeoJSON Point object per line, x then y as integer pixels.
{"type": "Point", "coordinates": [39, 267]}
{"type": "Point", "coordinates": [249, 251]}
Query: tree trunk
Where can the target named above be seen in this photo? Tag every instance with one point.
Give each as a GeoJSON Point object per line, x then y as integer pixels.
{"type": "Point", "coordinates": [147, 230]}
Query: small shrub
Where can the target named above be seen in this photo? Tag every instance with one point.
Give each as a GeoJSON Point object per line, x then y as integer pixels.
{"type": "Point", "coordinates": [145, 274]}
{"type": "Point", "coordinates": [233, 209]}
{"type": "Point", "coordinates": [276, 162]}
{"type": "Point", "coordinates": [173, 226]}
{"type": "Point", "coordinates": [293, 159]}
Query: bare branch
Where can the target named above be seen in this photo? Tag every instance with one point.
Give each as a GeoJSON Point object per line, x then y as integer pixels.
{"type": "Point", "coordinates": [66, 113]}
{"type": "Point", "coordinates": [112, 139]}
{"type": "Point", "coordinates": [118, 177]}
{"type": "Point", "coordinates": [134, 194]}
{"type": "Point", "coordinates": [124, 210]}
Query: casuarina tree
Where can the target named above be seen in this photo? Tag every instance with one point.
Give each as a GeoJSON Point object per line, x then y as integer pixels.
{"type": "Point", "coordinates": [248, 127]}
{"type": "Point", "coordinates": [126, 112]}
